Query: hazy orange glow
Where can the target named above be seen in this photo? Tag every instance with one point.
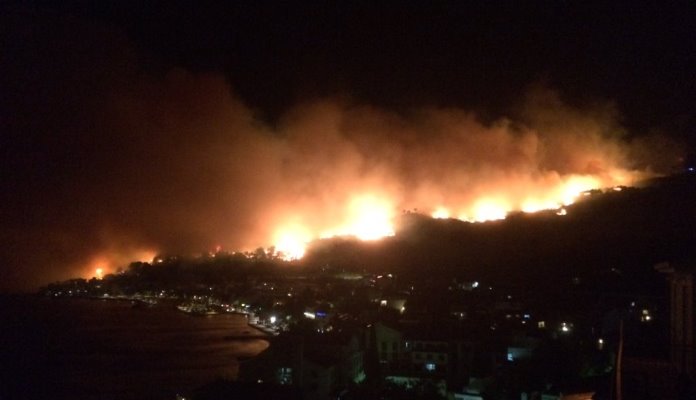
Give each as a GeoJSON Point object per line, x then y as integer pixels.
{"type": "Point", "coordinates": [109, 261]}
{"type": "Point", "coordinates": [486, 210]}
{"type": "Point", "coordinates": [350, 171]}
{"type": "Point", "coordinates": [366, 217]}
{"type": "Point", "coordinates": [371, 216]}
{"type": "Point", "coordinates": [534, 205]}
{"type": "Point", "coordinates": [291, 241]}
{"type": "Point", "coordinates": [329, 169]}
{"type": "Point", "coordinates": [563, 195]}
{"type": "Point", "coordinates": [574, 186]}
{"type": "Point", "coordinates": [441, 213]}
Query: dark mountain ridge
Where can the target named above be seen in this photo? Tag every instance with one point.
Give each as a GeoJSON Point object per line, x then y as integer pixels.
{"type": "Point", "coordinates": [612, 233]}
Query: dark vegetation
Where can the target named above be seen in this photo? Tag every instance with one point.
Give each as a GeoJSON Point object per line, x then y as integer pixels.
{"type": "Point", "coordinates": [617, 234]}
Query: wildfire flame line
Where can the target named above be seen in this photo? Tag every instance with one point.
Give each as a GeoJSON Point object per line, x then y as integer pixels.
{"type": "Point", "coordinates": [370, 217]}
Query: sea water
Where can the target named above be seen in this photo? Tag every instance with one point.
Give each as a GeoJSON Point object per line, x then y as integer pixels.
{"type": "Point", "coordinates": [107, 349]}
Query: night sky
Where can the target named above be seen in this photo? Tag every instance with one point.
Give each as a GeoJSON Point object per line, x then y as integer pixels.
{"type": "Point", "coordinates": [132, 128]}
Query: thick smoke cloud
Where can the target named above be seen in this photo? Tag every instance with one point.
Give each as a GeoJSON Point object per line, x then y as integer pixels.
{"type": "Point", "coordinates": [109, 164]}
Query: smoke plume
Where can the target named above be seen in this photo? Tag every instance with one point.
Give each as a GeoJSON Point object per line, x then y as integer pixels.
{"type": "Point", "coordinates": [112, 164]}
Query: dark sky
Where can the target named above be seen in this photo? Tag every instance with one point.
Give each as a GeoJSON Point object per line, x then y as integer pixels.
{"type": "Point", "coordinates": [477, 54]}
{"type": "Point", "coordinates": [107, 108]}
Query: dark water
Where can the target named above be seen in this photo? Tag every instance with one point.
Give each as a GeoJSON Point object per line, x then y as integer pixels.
{"type": "Point", "coordinates": [92, 349]}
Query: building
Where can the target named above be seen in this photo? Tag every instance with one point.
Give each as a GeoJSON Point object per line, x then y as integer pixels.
{"type": "Point", "coordinates": [681, 332]}
{"type": "Point", "coordinates": [417, 351]}
{"type": "Point", "coordinates": [320, 364]}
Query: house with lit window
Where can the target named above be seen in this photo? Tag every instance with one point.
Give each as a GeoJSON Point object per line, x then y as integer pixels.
{"type": "Point", "coordinates": [421, 351]}
{"type": "Point", "coordinates": [320, 364]}
{"type": "Point", "coordinates": [387, 341]}
{"type": "Point", "coordinates": [428, 355]}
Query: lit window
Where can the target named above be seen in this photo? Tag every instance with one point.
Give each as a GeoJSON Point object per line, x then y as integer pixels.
{"type": "Point", "coordinates": [566, 327]}
{"type": "Point", "coordinates": [509, 357]}
{"type": "Point", "coordinates": [430, 366]}
{"type": "Point", "coordinates": [284, 376]}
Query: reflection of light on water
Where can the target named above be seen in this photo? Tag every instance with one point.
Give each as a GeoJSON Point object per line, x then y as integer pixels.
{"type": "Point", "coordinates": [159, 349]}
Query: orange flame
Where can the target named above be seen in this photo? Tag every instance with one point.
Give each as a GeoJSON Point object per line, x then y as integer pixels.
{"type": "Point", "coordinates": [109, 261]}
{"type": "Point", "coordinates": [291, 241]}
{"type": "Point", "coordinates": [369, 218]}
{"type": "Point", "coordinates": [369, 215]}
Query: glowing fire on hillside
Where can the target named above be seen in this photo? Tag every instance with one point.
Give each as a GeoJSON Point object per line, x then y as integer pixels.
{"type": "Point", "coordinates": [329, 169]}
{"type": "Point", "coordinates": [109, 262]}
{"type": "Point", "coordinates": [371, 217]}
